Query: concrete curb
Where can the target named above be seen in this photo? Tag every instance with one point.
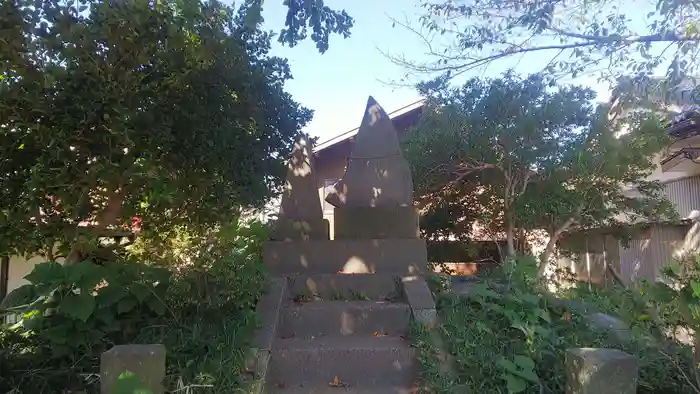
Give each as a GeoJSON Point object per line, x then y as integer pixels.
{"type": "Point", "coordinates": [420, 299]}
{"type": "Point", "coordinates": [268, 309]}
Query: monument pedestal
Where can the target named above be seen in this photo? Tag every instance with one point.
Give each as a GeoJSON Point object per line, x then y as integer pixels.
{"type": "Point", "coordinates": [300, 230]}
{"type": "Point", "coordinates": [366, 256]}
{"type": "Point", "coordinates": [375, 223]}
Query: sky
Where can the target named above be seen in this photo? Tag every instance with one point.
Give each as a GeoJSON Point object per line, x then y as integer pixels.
{"type": "Point", "coordinates": [336, 84]}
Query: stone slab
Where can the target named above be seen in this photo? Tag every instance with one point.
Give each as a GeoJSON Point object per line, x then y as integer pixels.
{"type": "Point", "coordinates": [268, 309]}
{"type": "Point", "coordinates": [324, 388]}
{"type": "Point", "coordinates": [346, 286]}
{"type": "Point", "coordinates": [383, 256]}
{"type": "Point", "coordinates": [360, 362]}
{"type": "Point", "coordinates": [343, 318]}
{"type": "Point", "coordinates": [300, 230]}
{"type": "Point", "coordinates": [607, 323]}
{"type": "Point", "coordinates": [420, 299]}
{"type": "Point", "coordinates": [600, 371]}
{"type": "Point", "coordinates": [133, 366]}
{"type": "Point", "coordinates": [374, 223]}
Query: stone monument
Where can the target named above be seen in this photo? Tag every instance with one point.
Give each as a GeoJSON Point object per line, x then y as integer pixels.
{"type": "Point", "coordinates": [600, 371]}
{"type": "Point", "coordinates": [300, 217]}
{"type": "Point", "coordinates": [374, 198]}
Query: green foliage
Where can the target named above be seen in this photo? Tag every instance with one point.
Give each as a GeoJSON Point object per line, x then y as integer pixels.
{"type": "Point", "coordinates": [677, 302]}
{"type": "Point", "coordinates": [206, 348]}
{"type": "Point", "coordinates": [129, 383]}
{"type": "Point", "coordinates": [304, 15]}
{"type": "Point", "coordinates": [574, 37]}
{"type": "Point", "coordinates": [216, 268]}
{"type": "Point", "coordinates": [203, 314]}
{"type": "Point", "coordinates": [523, 154]}
{"type": "Point", "coordinates": [506, 336]}
{"type": "Point", "coordinates": [679, 298]}
{"type": "Point", "coordinates": [82, 308]}
{"type": "Point", "coordinates": [171, 111]}
{"type": "Point", "coordinates": [225, 276]}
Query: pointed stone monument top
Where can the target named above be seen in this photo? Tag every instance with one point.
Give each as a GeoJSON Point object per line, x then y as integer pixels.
{"type": "Point", "coordinates": [377, 174]}
{"type": "Point", "coordinates": [300, 198]}
{"type": "Point", "coordinates": [377, 135]}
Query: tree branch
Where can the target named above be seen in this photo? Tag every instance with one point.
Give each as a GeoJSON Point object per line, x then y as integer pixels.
{"type": "Point", "coordinates": [626, 40]}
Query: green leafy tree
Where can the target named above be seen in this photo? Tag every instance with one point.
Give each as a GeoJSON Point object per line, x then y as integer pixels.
{"type": "Point", "coordinates": [580, 36]}
{"type": "Point", "coordinates": [170, 111]}
{"type": "Point", "coordinates": [540, 156]}
{"type": "Point", "coordinates": [304, 16]}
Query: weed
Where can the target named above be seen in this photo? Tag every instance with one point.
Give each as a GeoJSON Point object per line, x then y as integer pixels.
{"type": "Point", "coordinates": [507, 337]}
{"type": "Point", "coordinates": [203, 314]}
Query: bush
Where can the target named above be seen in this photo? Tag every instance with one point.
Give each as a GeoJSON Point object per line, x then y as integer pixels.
{"type": "Point", "coordinates": [508, 336]}
{"type": "Point", "coordinates": [203, 313]}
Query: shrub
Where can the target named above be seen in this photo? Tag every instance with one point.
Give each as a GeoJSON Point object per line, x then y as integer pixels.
{"type": "Point", "coordinates": [83, 308]}
{"type": "Point", "coordinates": [508, 336]}
{"type": "Point", "coordinates": [203, 313]}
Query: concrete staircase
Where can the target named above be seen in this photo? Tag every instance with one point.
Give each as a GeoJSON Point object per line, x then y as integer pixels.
{"type": "Point", "coordinates": [342, 333]}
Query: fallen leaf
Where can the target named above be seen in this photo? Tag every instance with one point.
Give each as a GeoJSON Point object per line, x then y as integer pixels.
{"type": "Point", "coordinates": [378, 334]}
{"type": "Point", "coordinates": [335, 382]}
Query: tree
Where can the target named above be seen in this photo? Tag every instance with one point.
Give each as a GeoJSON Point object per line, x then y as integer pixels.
{"type": "Point", "coordinates": [612, 38]}
{"type": "Point", "coordinates": [323, 21]}
{"type": "Point", "coordinates": [172, 112]}
{"type": "Point", "coordinates": [540, 156]}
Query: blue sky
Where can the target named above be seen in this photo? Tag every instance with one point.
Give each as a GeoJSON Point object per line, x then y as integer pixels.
{"type": "Point", "coordinates": [336, 84]}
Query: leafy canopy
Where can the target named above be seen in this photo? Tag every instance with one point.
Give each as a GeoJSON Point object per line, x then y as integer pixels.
{"type": "Point", "coordinates": [305, 15]}
{"type": "Point", "coordinates": [573, 37]}
{"type": "Point", "coordinates": [170, 111]}
{"type": "Point", "coordinates": [531, 155]}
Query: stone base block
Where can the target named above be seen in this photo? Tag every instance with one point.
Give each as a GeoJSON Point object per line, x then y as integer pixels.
{"type": "Point", "coordinates": [376, 256]}
{"type": "Point", "coordinates": [600, 371]}
{"type": "Point", "coordinates": [300, 230]}
{"type": "Point", "coordinates": [375, 223]}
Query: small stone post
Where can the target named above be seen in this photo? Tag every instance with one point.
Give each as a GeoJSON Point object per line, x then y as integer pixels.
{"type": "Point", "coordinates": [600, 371]}
{"type": "Point", "coordinates": [133, 366]}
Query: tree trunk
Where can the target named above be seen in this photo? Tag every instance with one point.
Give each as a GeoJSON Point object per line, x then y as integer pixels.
{"type": "Point", "coordinates": [510, 238]}
{"type": "Point", "coordinates": [4, 276]}
{"type": "Point", "coordinates": [553, 239]}
{"type": "Point", "coordinates": [548, 251]}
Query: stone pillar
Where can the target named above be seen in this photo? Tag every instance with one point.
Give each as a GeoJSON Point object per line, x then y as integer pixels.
{"type": "Point", "coordinates": [300, 217]}
{"type": "Point", "coordinates": [128, 368]}
{"type": "Point", "coordinates": [374, 198]}
{"type": "Point", "coordinates": [600, 371]}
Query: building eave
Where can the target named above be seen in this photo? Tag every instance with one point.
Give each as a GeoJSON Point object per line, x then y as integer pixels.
{"type": "Point", "coordinates": [349, 134]}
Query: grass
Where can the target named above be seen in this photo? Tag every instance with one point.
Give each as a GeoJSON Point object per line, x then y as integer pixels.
{"type": "Point", "coordinates": [510, 338]}
{"type": "Point", "coordinates": [206, 355]}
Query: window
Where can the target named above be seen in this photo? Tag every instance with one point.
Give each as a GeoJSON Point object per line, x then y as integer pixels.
{"type": "Point", "coordinates": [327, 187]}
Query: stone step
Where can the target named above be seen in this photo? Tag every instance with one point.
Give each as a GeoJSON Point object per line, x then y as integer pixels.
{"type": "Point", "coordinates": [346, 286]}
{"type": "Point", "coordinates": [339, 390]}
{"type": "Point", "coordinates": [358, 256]}
{"type": "Point", "coordinates": [359, 362]}
{"type": "Point", "coordinates": [341, 318]}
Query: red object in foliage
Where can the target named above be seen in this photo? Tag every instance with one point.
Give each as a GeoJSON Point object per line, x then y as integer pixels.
{"type": "Point", "coordinates": [136, 224]}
